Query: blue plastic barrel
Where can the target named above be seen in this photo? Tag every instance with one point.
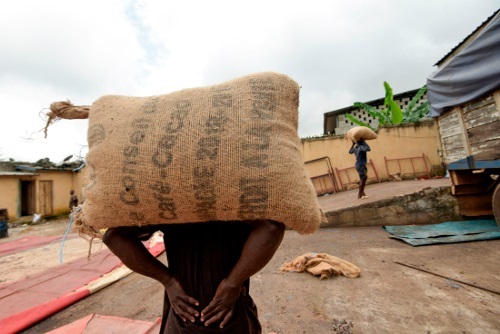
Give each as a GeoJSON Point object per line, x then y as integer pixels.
{"type": "Point", "coordinates": [4, 225]}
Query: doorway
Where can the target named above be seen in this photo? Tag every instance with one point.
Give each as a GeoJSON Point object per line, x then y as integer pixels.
{"type": "Point", "coordinates": [46, 208]}
{"type": "Point", "coordinates": [28, 204]}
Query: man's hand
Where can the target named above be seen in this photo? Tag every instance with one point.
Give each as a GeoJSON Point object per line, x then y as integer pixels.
{"type": "Point", "coordinates": [221, 306]}
{"type": "Point", "coordinates": [259, 248]}
{"type": "Point", "coordinates": [125, 243]}
{"type": "Point", "coordinates": [182, 304]}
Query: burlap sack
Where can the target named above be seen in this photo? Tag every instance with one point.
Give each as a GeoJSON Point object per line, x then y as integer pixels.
{"type": "Point", "coordinates": [225, 152]}
{"type": "Point", "coordinates": [323, 265]}
{"type": "Point", "coordinates": [358, 132]}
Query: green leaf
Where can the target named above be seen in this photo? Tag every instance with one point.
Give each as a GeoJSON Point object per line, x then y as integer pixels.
{"type": "Point", "coordinates": [388, 94]}
{"type": "Point", "coordinates": [392, 106]}
{"type": "Point", "coordinates": [423, 109]}
{"type": "Point", "coordinates": [416, 98]}
{"type": "Point", "coordinates": [367, 107]}
{"type": "Point", "coordinates": [396, 113]}
{"type": "Point", "coordinates": [420, 112]}
{"type": "Point", "coordinates": [382, 118]}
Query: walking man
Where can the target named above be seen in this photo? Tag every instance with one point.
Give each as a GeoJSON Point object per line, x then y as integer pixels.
{"type": "Point", "coordinates": [359, 149]}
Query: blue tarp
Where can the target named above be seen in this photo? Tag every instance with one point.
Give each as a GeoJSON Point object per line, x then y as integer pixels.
{"type": "Point", "coordinates": [471, 74]}
{"type": "Point", "coordinates": [448, 232]}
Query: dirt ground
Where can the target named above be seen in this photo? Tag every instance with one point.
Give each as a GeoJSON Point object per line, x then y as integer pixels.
{"type": "Point", "coordinates": [38, 259]}
{"type": "Point", "coordinates": [386, 298]}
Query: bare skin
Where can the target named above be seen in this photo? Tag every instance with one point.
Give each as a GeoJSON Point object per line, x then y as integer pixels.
{"type": "Point", "coordinates": [125, 243]}
{"type": "Point", "coordinates": [361, 192]}
{"type": "Point", "coordinates": [260, 246]}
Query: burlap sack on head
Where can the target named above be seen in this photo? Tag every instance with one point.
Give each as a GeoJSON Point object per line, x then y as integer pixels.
{"type": "Point", "coordinates": [359, 132]}
{"type": "Point", "coordinates": [226, 152]}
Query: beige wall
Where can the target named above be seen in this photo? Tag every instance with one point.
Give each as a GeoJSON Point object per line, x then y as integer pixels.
{"type": "Point", "coordinates": [396, 142]}
{"type": "Point", "coordinates": [62, 183]}
{"type": "Point", "coordinates": [9, 185]}
{"type": "Point", "coordinates": [78, 182]}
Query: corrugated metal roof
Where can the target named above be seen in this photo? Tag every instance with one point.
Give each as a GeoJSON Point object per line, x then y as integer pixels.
{"type": "Point", "coordinates": [465, 39]}
{"type": "Point", "coordinates": [17, 174]}
{"type": "Point", "coordinates": [29, 168]}
{"type": "Point", "coordinates": [44, 169]}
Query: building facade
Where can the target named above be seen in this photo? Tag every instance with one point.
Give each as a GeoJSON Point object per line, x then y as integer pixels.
{"type": "Point", "coordinates": [336, 123]}
{"type": "Point", "coordinates": [26, 189]}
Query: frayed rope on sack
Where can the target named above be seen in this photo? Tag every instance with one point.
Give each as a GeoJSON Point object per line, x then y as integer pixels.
{"type": "Point", "coordinates": [85, 231]}
{"type": "Point", "coordinates": [66, 110]}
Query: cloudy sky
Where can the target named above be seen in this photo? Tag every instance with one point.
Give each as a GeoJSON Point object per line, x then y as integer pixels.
{"type": "Point", "coordinates": [338, 51]}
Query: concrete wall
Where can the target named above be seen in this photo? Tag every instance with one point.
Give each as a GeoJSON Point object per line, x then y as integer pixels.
{"type": "Point", "coordinates": [62, 182]}
{"type": "Point", "coordinates": [9, 188]}
{"type": "Point", "coordinates": [396, 142]}
{"type": "Point", "coordinates": [428, 206]}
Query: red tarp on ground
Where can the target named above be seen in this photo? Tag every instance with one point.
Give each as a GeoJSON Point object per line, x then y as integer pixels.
{"type": "Point", "coordinates": [98, 324]}
{"type": "Point", "coordinates": [29, 242]}
{"type": "Point", "coordinates": [25, 302]}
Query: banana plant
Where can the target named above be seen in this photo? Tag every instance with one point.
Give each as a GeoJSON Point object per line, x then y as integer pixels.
{"type": "Point", "coordinates": [392, 113]}
{"type": "Point", "coordinates": [392, 108]}
{"type": "Point", "coordinates": [414, 114]}
{"type": "Point", "coordinates": [382, 117]}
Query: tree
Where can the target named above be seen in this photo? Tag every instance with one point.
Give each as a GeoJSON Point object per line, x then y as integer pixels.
{"type": "Point", "coordinates": [392, 113]}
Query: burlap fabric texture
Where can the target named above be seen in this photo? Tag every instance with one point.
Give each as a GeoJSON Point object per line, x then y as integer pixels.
{"type": "Point", "coordinates": [227, 152]}
{"type": "Point", "coordinates": [358, 132]}
{"type": "Point", "coordinates": [323, 265]}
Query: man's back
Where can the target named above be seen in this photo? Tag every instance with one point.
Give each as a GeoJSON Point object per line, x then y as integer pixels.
{"type": "Point", "coordinates": [201, 256]}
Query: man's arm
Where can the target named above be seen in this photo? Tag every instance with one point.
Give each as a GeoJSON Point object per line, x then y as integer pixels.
{"type": "Point", "coordinates": [125, 243]}
{"type": "Point", "coordinates": [351, 150]}
{"type": "Point", "coordinates": [259, 248]}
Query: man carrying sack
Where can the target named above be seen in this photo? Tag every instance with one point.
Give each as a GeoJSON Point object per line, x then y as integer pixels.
{"type": "Point", "coordinates": [357, 135]}
{"type": "Point", "coordinates": [359, 149]}
{"type": "Point", "coordinates": [218, 170]}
